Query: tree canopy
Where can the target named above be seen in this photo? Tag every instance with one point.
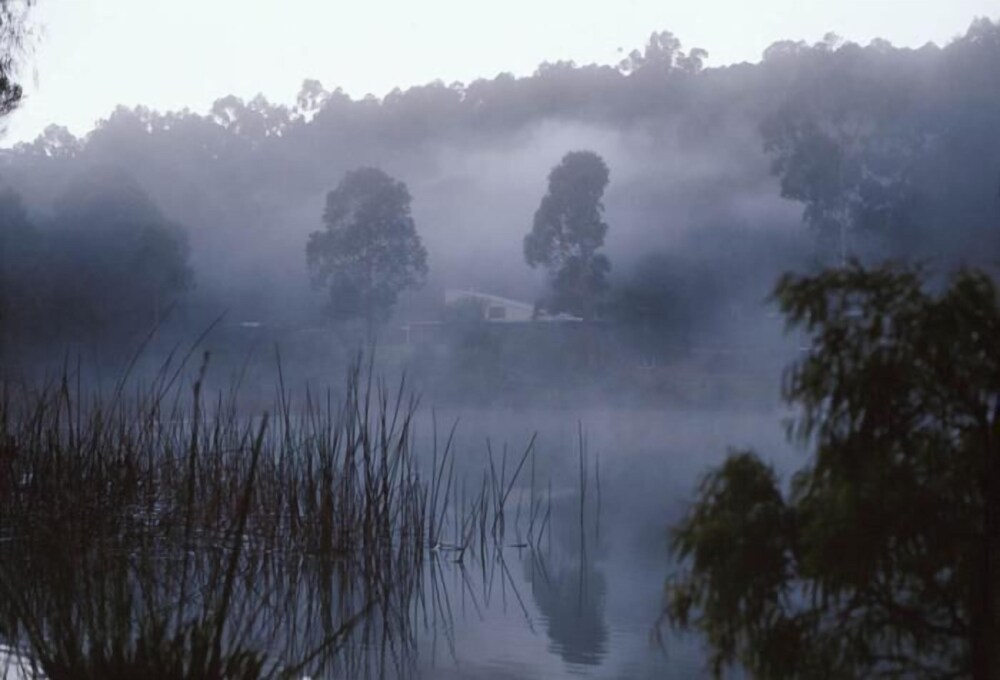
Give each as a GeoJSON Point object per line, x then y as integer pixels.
{"type": "Point", "coordinates": [883, 146]}
{"type": "Point", "coordinates": [567, 232]}
{"type": "Point", "coordinates": [898, 141]}
{"type": "Point", "coordinates": [107, 261]}
{"type": "Point", "coordinates": [13, 32]}
{"type": "Point", "coordinates": [113, 257]}
{"type": "Point", "coordinates": [369, 250]}
{"type": "Point", "coordinates": [882, 555]}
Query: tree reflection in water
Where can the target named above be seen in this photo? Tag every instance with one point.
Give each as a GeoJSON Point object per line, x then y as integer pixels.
{"type": "Point", "coordinates": [572, 598]}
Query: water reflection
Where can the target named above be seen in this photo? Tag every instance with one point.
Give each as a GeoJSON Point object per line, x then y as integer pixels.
{"type": "Point", "coordinates": [349, 566]}
{"type": "Point", "coordinates": [572, 600]}
{"type": "Point", "coordinates": [540, 612]}
{"type": "Point", "coordinates": [107, 610]}
{"type": "Point", "coordinates": [571, 593]}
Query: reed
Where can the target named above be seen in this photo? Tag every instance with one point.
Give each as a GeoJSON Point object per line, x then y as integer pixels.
{"type": "Point", "coordinates": [160, 531]}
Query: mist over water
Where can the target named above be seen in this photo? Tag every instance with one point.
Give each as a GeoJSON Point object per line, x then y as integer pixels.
{"type": "Point", "coordinates": [472, 451]}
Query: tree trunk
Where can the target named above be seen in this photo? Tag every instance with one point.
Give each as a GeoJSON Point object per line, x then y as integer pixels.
{"type": "Point", "coordinates": [980, 617]}
{"type": "Point", "coordinates": [985, 606]}
{"type": "Point", "coordinates": [992, 594]}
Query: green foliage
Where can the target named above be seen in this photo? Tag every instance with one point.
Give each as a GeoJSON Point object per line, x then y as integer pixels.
{"type": "Point", "coordinates": [19, 251]}
{"type": "Point", "coordinates": [370, 249]}
{"type": "Point", "coordinates": [882, 147]}
{"type": "Point", "coordinates": [113, 256]}
{"type": "Point", "coordinates": [568, 230]}
{"type": "Point", "coordinates": [880, 559]}
{"type": "Point", "coordinates": [13, 32]}
{"type": "Point", "coordinates": [896, 141]}
{"type": "Point", "coordinates": [109, 261]}
{"type": "Point", "coordinates": [663, 53]}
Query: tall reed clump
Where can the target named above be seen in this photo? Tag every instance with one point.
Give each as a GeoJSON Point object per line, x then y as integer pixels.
{"type": "Point", "coordinates": [156, 532]}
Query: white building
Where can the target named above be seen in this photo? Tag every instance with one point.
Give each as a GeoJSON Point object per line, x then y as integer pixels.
{"type": "Point", "coordinates": [498, 309]}
{"type": "Point", "coordinates": [494, 307]}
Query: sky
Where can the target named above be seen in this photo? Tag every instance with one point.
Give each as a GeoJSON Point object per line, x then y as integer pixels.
{"type": "Point", "coordinates": [92, 55]}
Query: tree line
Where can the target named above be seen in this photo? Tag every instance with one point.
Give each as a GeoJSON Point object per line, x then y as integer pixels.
{"type": "Point", "coordinates": [370, 250]}
{"type": "Point", "coordinates": [109, 258]}
{"type": "Point", "coordinates": [881, 147]}
{"type": "Point", "coordinates": [881, 555]}
{"type": "Point", "coordinates": [106, 261]}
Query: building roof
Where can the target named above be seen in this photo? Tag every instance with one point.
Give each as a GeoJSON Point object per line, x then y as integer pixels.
{"type": "Point", "coordinates": [453, 294]}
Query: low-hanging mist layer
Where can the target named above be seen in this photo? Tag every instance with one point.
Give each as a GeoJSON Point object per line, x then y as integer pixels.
{"type": "Point", "coordinates": [720, 178]}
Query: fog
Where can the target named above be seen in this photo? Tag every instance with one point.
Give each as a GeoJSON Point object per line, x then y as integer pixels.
{"type": "Point", "coordinates": [695, 156]}
{"type": "Point", "coordinates": [163, 235]}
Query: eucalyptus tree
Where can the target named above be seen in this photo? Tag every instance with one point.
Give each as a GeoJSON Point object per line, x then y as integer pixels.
{"type": "Point", "coordinates": [369, 250]}
{"type": "Point", "coordinates": [569, 230]}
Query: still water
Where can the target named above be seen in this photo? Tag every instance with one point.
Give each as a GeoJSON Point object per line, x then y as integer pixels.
{"type": "Point", "coordinates": [573, 586]}
{"type": "Point", "coordinates": [585, 601]}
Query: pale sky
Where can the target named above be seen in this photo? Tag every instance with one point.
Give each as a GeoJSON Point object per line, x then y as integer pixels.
{"type": "Point", "coordinates": [167, 54]}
